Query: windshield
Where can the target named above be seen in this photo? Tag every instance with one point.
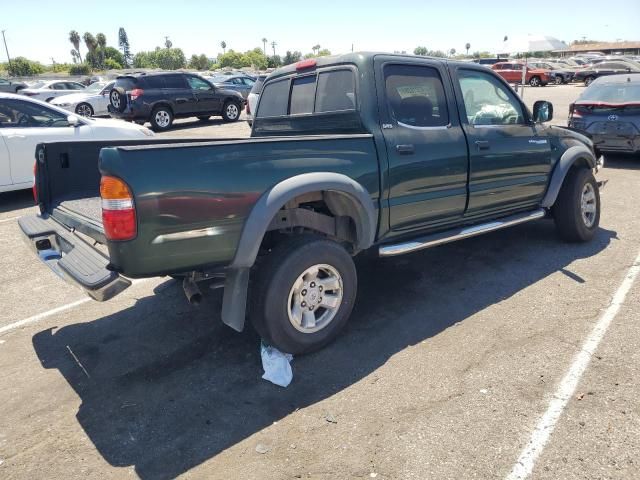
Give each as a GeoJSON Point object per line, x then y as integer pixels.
{"type": "Point", "coordinates": [95, 87]}
{"type": "Point", "coordinates": [612, 93]}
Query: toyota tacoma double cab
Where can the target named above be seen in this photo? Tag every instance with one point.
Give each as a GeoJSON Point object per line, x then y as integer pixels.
{"type": "Point", "coordinates": [372, 152]}
{"type": "Point", "coordinates": [161, 97]}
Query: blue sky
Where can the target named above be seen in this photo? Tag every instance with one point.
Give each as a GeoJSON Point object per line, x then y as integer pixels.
{"type": "Point", "coordinates": [39, 30]}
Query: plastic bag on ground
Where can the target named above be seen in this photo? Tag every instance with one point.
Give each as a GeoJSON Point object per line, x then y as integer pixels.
{"type": "Point", "coordinates": [277, 368]}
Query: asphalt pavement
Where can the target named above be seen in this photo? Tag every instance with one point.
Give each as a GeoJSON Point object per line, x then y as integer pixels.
{"type": "Point", "coordinates": [449, 363]}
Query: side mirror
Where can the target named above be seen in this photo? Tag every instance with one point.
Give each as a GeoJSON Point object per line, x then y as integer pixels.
{"type": "Point", "coordinates": [73, 121]}
{"type": "Point", "coordinates": [542, 111]}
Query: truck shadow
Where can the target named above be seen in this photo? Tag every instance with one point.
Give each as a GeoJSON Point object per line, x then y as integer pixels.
{"type": "Point", "coordinates": [165, 387]}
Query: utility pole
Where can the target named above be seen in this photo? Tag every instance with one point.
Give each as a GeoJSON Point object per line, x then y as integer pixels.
{"type": "Point", "coordinates": [6, 49]}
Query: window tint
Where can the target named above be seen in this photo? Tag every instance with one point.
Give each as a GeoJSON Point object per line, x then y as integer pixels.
{"type": "Point", "coordinates": [4, 82]}
{"type": "Point", "coordinates": [487, 101]}
{"type": "Point", "coordinates": [613, 92]}
{"type": "Point", "coordinates": [303, 95]}
{"type": "Point", "coordinates": [198, 84]}
{"type": "Point", "coordinates": [175, 81]}
{"type": "Point", "coordinates": [22, 114]}
{"type": "Point", "coordinates": [247, 81]}
{"type": "Point", "coordinates": [336, 91]}
{"type": "Point", "coordinates": [126, 83]}
{"type": "Point", "coordinates": [74, 86]}
{"type": "Point", "coordinates": [154, 82]}
{"type": "Point", "coordinates": [58, 86]}
{"type": "Point", "coordinates": [416, 96]}
{"type": "Point", "coordinates": [273, 101]}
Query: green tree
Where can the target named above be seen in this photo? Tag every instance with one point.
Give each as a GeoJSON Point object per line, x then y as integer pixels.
{"type": "Point", "coordinates": [420, 51]}
{"type": "Point", "coordinates": [114, 54]}
{"type": "Point", "coordinates": [452, 52]}
{"type": "Point", "coordinates": [274, 61]}
{"type": "Point", "coordinates": [74, 38]}
{"type": "Point", "coordinates": [233, 59]}
{"type": "Point", "coordinates": [111, 64]}
{"type": "Point", "coordinates": [316, 49]}
{"type": "Point", "coordinates": [170, 58]}
{"type": "Point", "coordinates": [256, 58]}
{"type": "Point", "coordinates": [199, 62]}
{"type": "Point", "coordinates": [123, 43]}
{"type": "Point", "coordinates": [291, 57]}
{"type": "Point", "coordinates": [23, 67]}
{"type": "Point", "coordinates": [323, 53]}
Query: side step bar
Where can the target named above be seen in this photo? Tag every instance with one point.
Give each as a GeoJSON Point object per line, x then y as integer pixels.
{"type": "Point", "coordinates": [458, 234]}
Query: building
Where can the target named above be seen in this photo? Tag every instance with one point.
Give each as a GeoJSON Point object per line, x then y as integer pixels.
{"type": "Point", "coordinates": [609, 48]}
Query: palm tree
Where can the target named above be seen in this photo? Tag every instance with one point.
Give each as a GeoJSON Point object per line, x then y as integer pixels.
{"type": "Point", "coordinates": [74, 38]}
{"type": "Point", "coordinates": [452, 52]}
{"type": "Point", "coordinates": [467, 46]}
{"type": "Point", "coordinates": [264, 46]}
{"type": "Point", "coordinates": [90, 41]}
{"type": "Point", "coordinates": [273, 45]}
{"type": "Point", "coordinates": [316, 49]}
{"type": "Point", "coordinates": [223, 44]}
{"type": "Point", "coordinates": [101, 40]}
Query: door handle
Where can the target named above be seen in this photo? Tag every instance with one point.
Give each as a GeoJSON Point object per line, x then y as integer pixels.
{"type": "Point", "coordinates": [406, 149]}
{"type": "Point", "coordinates": [181, 100]}
{"type": "Point", "coordinates": [482, 144]}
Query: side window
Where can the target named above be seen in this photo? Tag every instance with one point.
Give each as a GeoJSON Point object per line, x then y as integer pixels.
{"type": "Point", "coordinates": [303, 95]}
{"type": "Point", "coordinates": [73, 86]}
{"type": "Point", "coordinates": [198, 84]}
{"type": "Point", "coordinates": [19, 114]}
{"type": "Point", "coordinates": [416, 96]}
{"type": "Point", "coordinates": [3, 81]}
{"type": "Point", "coordinates": [154, 82]}
{"type": "Point", "coordinates": [174, 81]}
{"type": "Point", "coordinates": [58, 86]}
{"type": "Point", "coordinates": [487, 101]}
{"type": "Point", "coordinates": [248, 82]}
{"type": "Point", "coordinates": [336, 91]}
{"type": "Point", "coordinates": [274, 99]}
{"type": "Point", "coordinates": [517, 66]}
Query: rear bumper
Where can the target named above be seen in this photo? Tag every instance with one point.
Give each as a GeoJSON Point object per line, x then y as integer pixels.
{"type": "Point", "coordinates": [617, 143]}
{"type": "Point", "coordinates": [71, 258]}
{"type": "Point", "coordinates": [130, 113]}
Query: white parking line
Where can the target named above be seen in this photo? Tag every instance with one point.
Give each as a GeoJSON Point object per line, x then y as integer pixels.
{"type": "Point", "coordinates": [10, 219]}
{"type": "Point", "coordinates": [540, 436]}
{"type": "Point", "coordinates": [54, 311]}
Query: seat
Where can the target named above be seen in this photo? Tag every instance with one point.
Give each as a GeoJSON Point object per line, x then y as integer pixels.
{"type": "Point", "coordinates": [416, 111]}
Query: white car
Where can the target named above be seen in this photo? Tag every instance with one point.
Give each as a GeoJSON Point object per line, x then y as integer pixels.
{"type": "Point", "coordinates": [252, 98]}
{"type": "Point", "coordinates": [24, 123]}
{"type": "Point", "coordinates": [91, 102]}
{"type": "Point", "coordinates": [47, 90]}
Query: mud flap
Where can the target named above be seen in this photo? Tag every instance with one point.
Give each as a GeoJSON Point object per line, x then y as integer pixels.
{"type": "Point", "coordinates": [234, 301]}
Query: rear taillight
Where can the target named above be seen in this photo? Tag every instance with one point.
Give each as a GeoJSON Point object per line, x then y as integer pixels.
{"type": "Point", "coordinates": [34, 189]}
{"type": "Point", "coordinates": [135, 93]}
{"type": "Point", "coordinates": [118, 214]}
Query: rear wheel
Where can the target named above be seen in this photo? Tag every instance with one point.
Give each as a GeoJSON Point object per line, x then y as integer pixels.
{"type": "Point", "coordinates": [161, 118]}
{"type": "Point", "coordinates": [534, 81]}
{"type": "Point", "coordinates": [231, 111]}
{"type": "Point", "coordinates": [558, 80]}
{"type": "Point", "coordinates": [577, 209]}
{"type": "Point", "coordinates": [84, 109]}
{"type": "Point", "coordinates": [303, 294]}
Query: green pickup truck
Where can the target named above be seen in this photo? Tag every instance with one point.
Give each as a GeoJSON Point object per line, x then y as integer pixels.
{"type": "Point", "coordinates": [361, 152]}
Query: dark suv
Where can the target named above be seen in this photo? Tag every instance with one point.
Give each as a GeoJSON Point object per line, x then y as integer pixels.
{"type": "Point", "coordinates": [159, 98]}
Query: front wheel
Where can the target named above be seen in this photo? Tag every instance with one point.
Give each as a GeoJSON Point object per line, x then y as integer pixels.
{"type": "Point", "coordinates": [577, 209]}
{"type": "Point", "coordinates": [558, 80]}
{"type": "Point", "coordinates": [534, 81]}
{"type": "Point", "coordinates": [161, 118]}
{"type": "Point", "coordinates": [84, 110]}
{"type": "Point", "coordinates": [231, 111]}
{"type": "Point", "coordinates": [303, 294]}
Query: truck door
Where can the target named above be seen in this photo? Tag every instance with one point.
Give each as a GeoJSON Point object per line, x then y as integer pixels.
{"type": "Point", "coordinates": [426, 149]}
{"type": "Point", "coordinates": [510, 157]}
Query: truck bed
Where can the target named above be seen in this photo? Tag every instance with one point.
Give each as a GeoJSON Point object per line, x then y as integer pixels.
{"type": "Point", "coordinates": [87, 207]}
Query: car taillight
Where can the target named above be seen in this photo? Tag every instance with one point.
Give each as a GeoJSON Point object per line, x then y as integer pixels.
{"type": "Point", "coordinates": [34, 189]}
{"type": "Point", "coordinates": [135, 93]}
{"type": "Point", "coordinates": [118, 214]}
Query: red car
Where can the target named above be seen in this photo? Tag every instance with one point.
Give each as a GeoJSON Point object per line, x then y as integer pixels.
{"type": "Point", "coordinates": [512, 73]}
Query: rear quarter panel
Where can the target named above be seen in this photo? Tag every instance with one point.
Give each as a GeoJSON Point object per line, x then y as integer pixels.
{"type": "Point", "coordinates": [213, 186]}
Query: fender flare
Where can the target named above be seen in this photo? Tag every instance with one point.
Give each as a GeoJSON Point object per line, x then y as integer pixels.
{"type": "Point", "coordinates": [256, 224]}
{"type": "Point", "coordinates": [567, 160]}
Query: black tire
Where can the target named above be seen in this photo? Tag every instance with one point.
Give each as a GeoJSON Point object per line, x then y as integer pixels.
{"type": "Point", "coordinates": [534, 81]}
{"type": "Point", "coordinates": [48, 100]}
{"type": "Point", "coordinates": [567, 211]}
{"type": "Point", "coordinates": [588, 81]}
{"type": "Point", "coordinates": [84, 110]}
{"type": "Point", "coordinates": [229, 113]}
{"type": "Point", "coordinates": [161, 118]}
{"type": "Point", "coordinates": [274, 279]}
{"type": "Point", "coordinates": [118, 99]}
{"type": "Point", "coordinates": [558, 80]}
{"type": "Point", "coordinates": [204, 118]}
